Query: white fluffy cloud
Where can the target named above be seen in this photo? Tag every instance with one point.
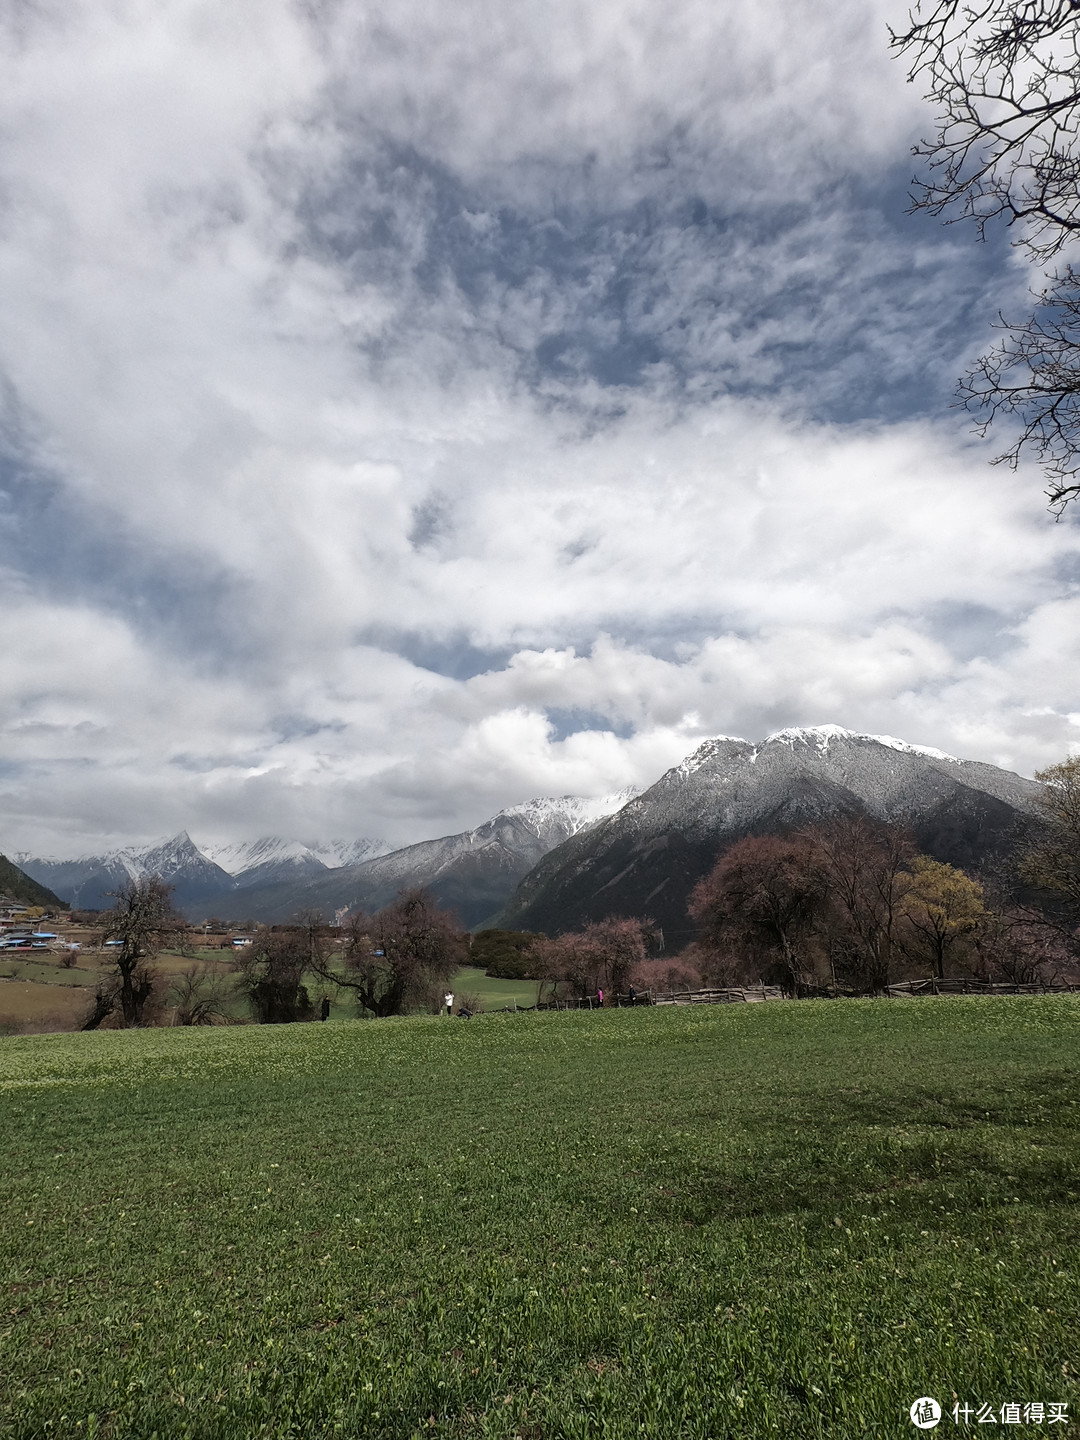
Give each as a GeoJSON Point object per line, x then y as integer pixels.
{"type": "Point", "coordinates": [409, 411]}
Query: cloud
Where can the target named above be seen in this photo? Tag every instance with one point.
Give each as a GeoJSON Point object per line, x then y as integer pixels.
{"type": "Point", "coordinates": [408, 411]}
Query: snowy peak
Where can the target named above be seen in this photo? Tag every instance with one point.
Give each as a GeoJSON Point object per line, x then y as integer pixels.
{"type": "Point", "coordinates": [710, 750]}
{"type": "Point", "coordinates": [92, 881]}
{"type": "Point", "coordinates": [819, 737]}
{"type": "Point", "coordinates": [336, 853]}
{"type": "Point", "coordinates": [816, 736]}
{"type": "Point", "coordinates": [646, 859]}
{"type": "Point", "coordinates": [568, 813]}
{"type": "Point", "coordinates": [240, 857]}
{"type": "Point", "coordinates": [177, 855]}
{"type": "Point", "coordinates": [892, 778]}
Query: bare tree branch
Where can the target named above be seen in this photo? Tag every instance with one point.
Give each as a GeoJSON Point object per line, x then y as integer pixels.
{"type": "Point", "coordinates": [1004, 77]}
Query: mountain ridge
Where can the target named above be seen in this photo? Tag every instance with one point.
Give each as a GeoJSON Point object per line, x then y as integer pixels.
{"type": "Point", "coordinates": [472, 872]}
{"type": "Point", "coordinates": [271, 877]}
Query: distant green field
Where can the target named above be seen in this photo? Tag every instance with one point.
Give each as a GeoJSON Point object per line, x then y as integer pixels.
{"type": "Point", "coordinates": [33, 999]}
{"type": "Point", "coordinates": [493, 994]}
{"type": "Point", "coordinates": [780, 1220]}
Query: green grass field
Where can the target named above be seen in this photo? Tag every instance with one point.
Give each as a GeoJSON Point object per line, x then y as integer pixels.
{"type": "Point", "coordinates": [736, 1221]}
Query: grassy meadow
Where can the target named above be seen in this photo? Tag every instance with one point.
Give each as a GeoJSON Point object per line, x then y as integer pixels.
{"type": "Point", "coordinates": [772, 1220]}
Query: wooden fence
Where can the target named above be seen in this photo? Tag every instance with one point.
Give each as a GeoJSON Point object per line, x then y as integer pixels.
{"type": "Point", "coordinates": [755, 994]}
{"type": "Point", "coordinates": [749, 994]}
{"type": "Point", "coordinates": [934, 986]}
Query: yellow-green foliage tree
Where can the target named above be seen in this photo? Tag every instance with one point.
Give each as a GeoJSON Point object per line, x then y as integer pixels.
{"type": "Point", "coordinates": [943, 907]}
{"type": "Point", "coordinates": [1053, 861]}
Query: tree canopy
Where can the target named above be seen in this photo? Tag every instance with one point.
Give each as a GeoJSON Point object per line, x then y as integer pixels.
{"type": "Point", "coordinates": [1052, 862]}
{"type": "Point", "coordinates": [851, 900]}
{"type": "Point", "coordinates": [943, 907]}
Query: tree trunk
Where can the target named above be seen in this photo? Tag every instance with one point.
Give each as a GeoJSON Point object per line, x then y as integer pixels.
{"type": "Point", "coordinates": [129, 1001]}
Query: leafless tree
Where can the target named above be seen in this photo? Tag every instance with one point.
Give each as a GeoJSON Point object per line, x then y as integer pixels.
{"type": "Point", "coordinates": [106, 998]}
{"type": "Point", "coordinates": [603, 955]}
{"type": "Point", "coordinates": [200, 995]}
{"type": "Point", "coordinates": [271, 974]}
{"type": "Point", "coordinates": [867, 874]}
{"type": "Point", "coordinates": [392, 959]}
{"type": "Point", "coordinates": [1017, 946]}
{"type": "Point", "coordinates": [1004, 77]}
{"type": "Point", "coordinates": [1052, 860]}
{"type": "Point", "coordinates": [143, 921]}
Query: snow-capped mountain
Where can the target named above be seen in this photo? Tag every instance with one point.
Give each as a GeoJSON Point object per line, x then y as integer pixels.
{"type": "Point", "coordinates": [89, 881]}
{"type": "Point", "coordinates": [566, 815]}
{"type": "Point", "coordinates": [472, 872]}
{"type": "Point", "coordinates": [236, 856]}
{"type": "Point", "coordinates": [271, 858]}
{"type": "Point", "coordinates": [15, 884]}
{"type": "Point", "coordinates": [201, 876]}
{"type": "Point", "coordinates": [336, 853]}
{"type": "Point", "coordinates": [646, 859]}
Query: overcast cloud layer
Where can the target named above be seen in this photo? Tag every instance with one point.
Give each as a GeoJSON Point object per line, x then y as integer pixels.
{"type": "Point", "coordinates": [408, 410]}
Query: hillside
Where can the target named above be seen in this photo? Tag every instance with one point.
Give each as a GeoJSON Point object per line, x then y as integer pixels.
{"type": "Point", "coordinates": [17, 885]}
{"type": "Point", "coordinates": [646, 859]}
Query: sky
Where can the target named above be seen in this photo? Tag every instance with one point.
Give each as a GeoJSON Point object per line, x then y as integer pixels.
{"type": "Point", "coordinates": [407, 410]}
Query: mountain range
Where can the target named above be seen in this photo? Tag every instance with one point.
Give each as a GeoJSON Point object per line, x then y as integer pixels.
{"type": "Point", "coordinates": [472, 873]}
{"type": "Point", "coordinates": [646, 859]}
{"type": "Point", "coordinates": [272, 878]}
{"type": "Point", "coordinates": [89, 881]}
{"type": "Point", "coordinates": [554, 864]}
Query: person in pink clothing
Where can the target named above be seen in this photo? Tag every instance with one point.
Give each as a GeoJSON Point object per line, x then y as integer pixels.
{"type": "Point", "coordinates": [600, 997]}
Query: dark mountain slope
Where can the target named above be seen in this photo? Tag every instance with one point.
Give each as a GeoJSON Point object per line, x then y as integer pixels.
{"type": "Point", "coordinates": [15, 884]}
{"type": "Point", "coordinates": [646, 859]}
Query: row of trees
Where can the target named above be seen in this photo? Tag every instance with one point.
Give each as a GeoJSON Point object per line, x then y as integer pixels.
{"type": "Point", "coordinates": [851, 904]}
{"type": "Point", "coordinates": [389, 963]}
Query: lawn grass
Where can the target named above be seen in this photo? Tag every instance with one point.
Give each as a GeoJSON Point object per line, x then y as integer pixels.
{"type": "Point", "coordinates": [47, 971]}
{"type": "Point", "coordinates": [734, 1221]}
